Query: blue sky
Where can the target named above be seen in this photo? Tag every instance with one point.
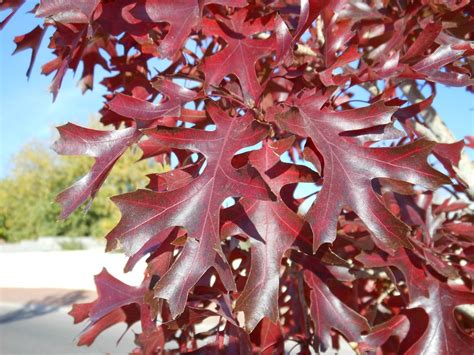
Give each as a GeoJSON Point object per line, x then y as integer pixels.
{"type": "Point", "coordinates": [27, 112]}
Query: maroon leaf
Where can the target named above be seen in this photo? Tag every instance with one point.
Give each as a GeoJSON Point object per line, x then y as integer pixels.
{"type": "Point", "coordinates": [240, 54]}
{"type": "Point", "coordinates": [183, 16]}
{"type": "Point", "coordinates": [127, 314]}
{"type": "Point", "coordinates": [442, 334]}
{"type": "Point", "coordinates": [13, 5]}
{"type": "Point", "coordinates": [145, 112]}
{"type": "Point", "coordinates": [80, 311]}
{"type": "Point", "coordinates": [155, 211]}
{"type": "Point", "coordinates": [269, 337]}
{"type": "Point", "coordinates": [424, 41]}
{"type": "Point", "coordinates": [442, 56]}
{"type": "Point", "coordinates": [113, 294]}
{"type": "Point", "coordinates": [65, 11]}
{"type": "Point", "coordinates": [277, 173]}
{"type": "Point", "coordinates": [152, 341]}
{"type": "Point", "coordinates": [272, 228]}
{"type": "Point", "coordinates": [173, 179]}
{"type": "Point", "coordinates": [410, 266]}
{"type": "Point", "coordinates": [271, 90]}
{"type": "Point", "coordinates": [397, 326]}
{"type": "Point", "coordinates": [30, 40]}
{"type": "Point", "coordinates": [350, 168]}
{"type": "Point", "coordinates": [105, 146]}
{"type": "Point", "coordinates": [328, 312]}
{"type": "Point", "coordinates": [90, 334]}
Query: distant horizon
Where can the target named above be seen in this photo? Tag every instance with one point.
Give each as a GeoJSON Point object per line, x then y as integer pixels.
{"type": "Point", "coordinates": [28, 114]}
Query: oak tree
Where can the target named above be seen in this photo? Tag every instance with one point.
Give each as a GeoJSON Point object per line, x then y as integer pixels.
{"type": "Point", "coordinates": [315, 194]}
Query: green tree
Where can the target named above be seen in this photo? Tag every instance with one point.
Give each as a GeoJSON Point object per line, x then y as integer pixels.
{"type": "Point", "coordinates": [27, 208]}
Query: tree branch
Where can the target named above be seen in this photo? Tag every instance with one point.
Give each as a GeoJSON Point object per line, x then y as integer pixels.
{"type": "Point", "coordinates": [435, 129]}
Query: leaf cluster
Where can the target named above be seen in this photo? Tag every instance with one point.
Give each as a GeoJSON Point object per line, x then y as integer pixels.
{"type": "Point", "coordinates": [255, 100]}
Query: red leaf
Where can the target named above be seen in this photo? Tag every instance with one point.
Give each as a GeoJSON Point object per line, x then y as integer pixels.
{"type": "Point", "coordinates": [13, 5]}
{"type": "Point", "coordinates": [269, 337]}
{"type": "Point", "coordinates": [272, 228]}
{"type": "Point", "coordinates": [183, 16]}
{"type": "Point", "coordinates": [442, 56]}
{"type": "Point", "coordinates": [194, 206]}
{"type": "Point", "coordinates": [65, 11]}
{"type": "Point", "coordinates": [80, 311]}
{"type": "Point", "coordinates": [144, 112]}
{"type": "Point", "coordinates": [397, 326]}
{"type": "Point", "coordinates": [277, 173]}
{"type": "Point", "coordinates": [463, 229]}
{"type": "Point", "coordinates": [410, 266]}
{"type": "Point", "coordinates": [350, 168]}
{"type": "Point", "coordinates": [90, 333]}
{"type": "Point", "coordinates": [30, 40]}
{"type": "Point", "coordinates": [442, 336]}
{"type": "Point", "coordinates": [424, 41]}
{"type": "Point", "coordinates": [328, 312]}
{"type": "Point", "coordinates": [105, 146]}
{"type": "Point", "coordinates": [274, 86]}
{"type": "Point", "coordinates": [449, 155]}
{"type": "Point", "coordinates": [128, 315]}
{"type": "Point", "coordinates": [113, 294]}
{"type": "Point", "coordinates": [240, 54]}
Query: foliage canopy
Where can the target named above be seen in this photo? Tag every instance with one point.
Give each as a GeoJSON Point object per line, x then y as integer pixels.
{"type": "Point", "coordinates": [257, 98]}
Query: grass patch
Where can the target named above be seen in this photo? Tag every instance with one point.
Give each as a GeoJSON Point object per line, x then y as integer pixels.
{"type": "Point", "coordinates": [71, 244]}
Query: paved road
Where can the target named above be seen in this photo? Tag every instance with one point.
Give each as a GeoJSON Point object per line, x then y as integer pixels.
{"type": "Point", "coordinates": [35, 327]}
{"type": "Point", "coordinates": [38, 330]}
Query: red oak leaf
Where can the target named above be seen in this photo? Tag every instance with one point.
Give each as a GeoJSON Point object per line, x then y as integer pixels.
{"type": "Point", "coordinates": [424, 41]}
{"type": "Point", "coordinates": [194, 206]}
{"type": "Point", "coordinates": [65, 11]}
{"type": "Point", "coordinates": [30, 40]}
{"type": "Point", "coordinates": [113, 294]}
{"type": "Point", "coordinates": [105, 146]}
{"type": "Point", "coordinates": [240, 54]}
{"type": "Point", "coordinates": [80, 311]}
{"type": "Point", "coordinates": [277, 173]}
{"type": "Point", "coordinates": [116, 303]}
{"type": "Point", "coordinates": [444, 54]}
{"type": "Point", "coordinates": [350, 168]}
{"type": "Point", "coordinates": [146, 113]}
{"type": "Point", "coordinates": [127, 314]}
{"type": "Point", "coordinates": [408, 263]}
{"type": "Point", "coordinates": [259, 137]}
{"type": "Point", "coordinates": [328, 312]}
{"type": "Point", "coordinates": [268, 336]}
{"type": "Point", "coordinates": [13, 5]}
{"type": "Point", "coordinates": [175, 178]}
{"type": "Point", "coordinates": [183, 16]}
{"type": "Point", "coordinates": [442, 335]}
{"type": "Point", "coordinates": [397, 326]}
{"type": "Point", "coordinates": [272, 228]}
{"type": "Point", "coordinates": [152, 341]}
{"type": "Point", "coordinates": [92, 57]}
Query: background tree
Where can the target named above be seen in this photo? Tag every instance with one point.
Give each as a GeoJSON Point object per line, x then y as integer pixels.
{"type": "Point", "coordinates": [258, 97]}
{"type": "Point", "coordinates": [27, 210]}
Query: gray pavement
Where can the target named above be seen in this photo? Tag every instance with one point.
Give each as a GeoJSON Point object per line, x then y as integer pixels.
{"type": "Point", "coordinates": [42, 329]}
{"type": "Point", "coordinates": [53, 244]}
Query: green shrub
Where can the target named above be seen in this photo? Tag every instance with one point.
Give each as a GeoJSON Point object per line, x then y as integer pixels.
{"type": "Point", "coordinates": [27, 207]}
